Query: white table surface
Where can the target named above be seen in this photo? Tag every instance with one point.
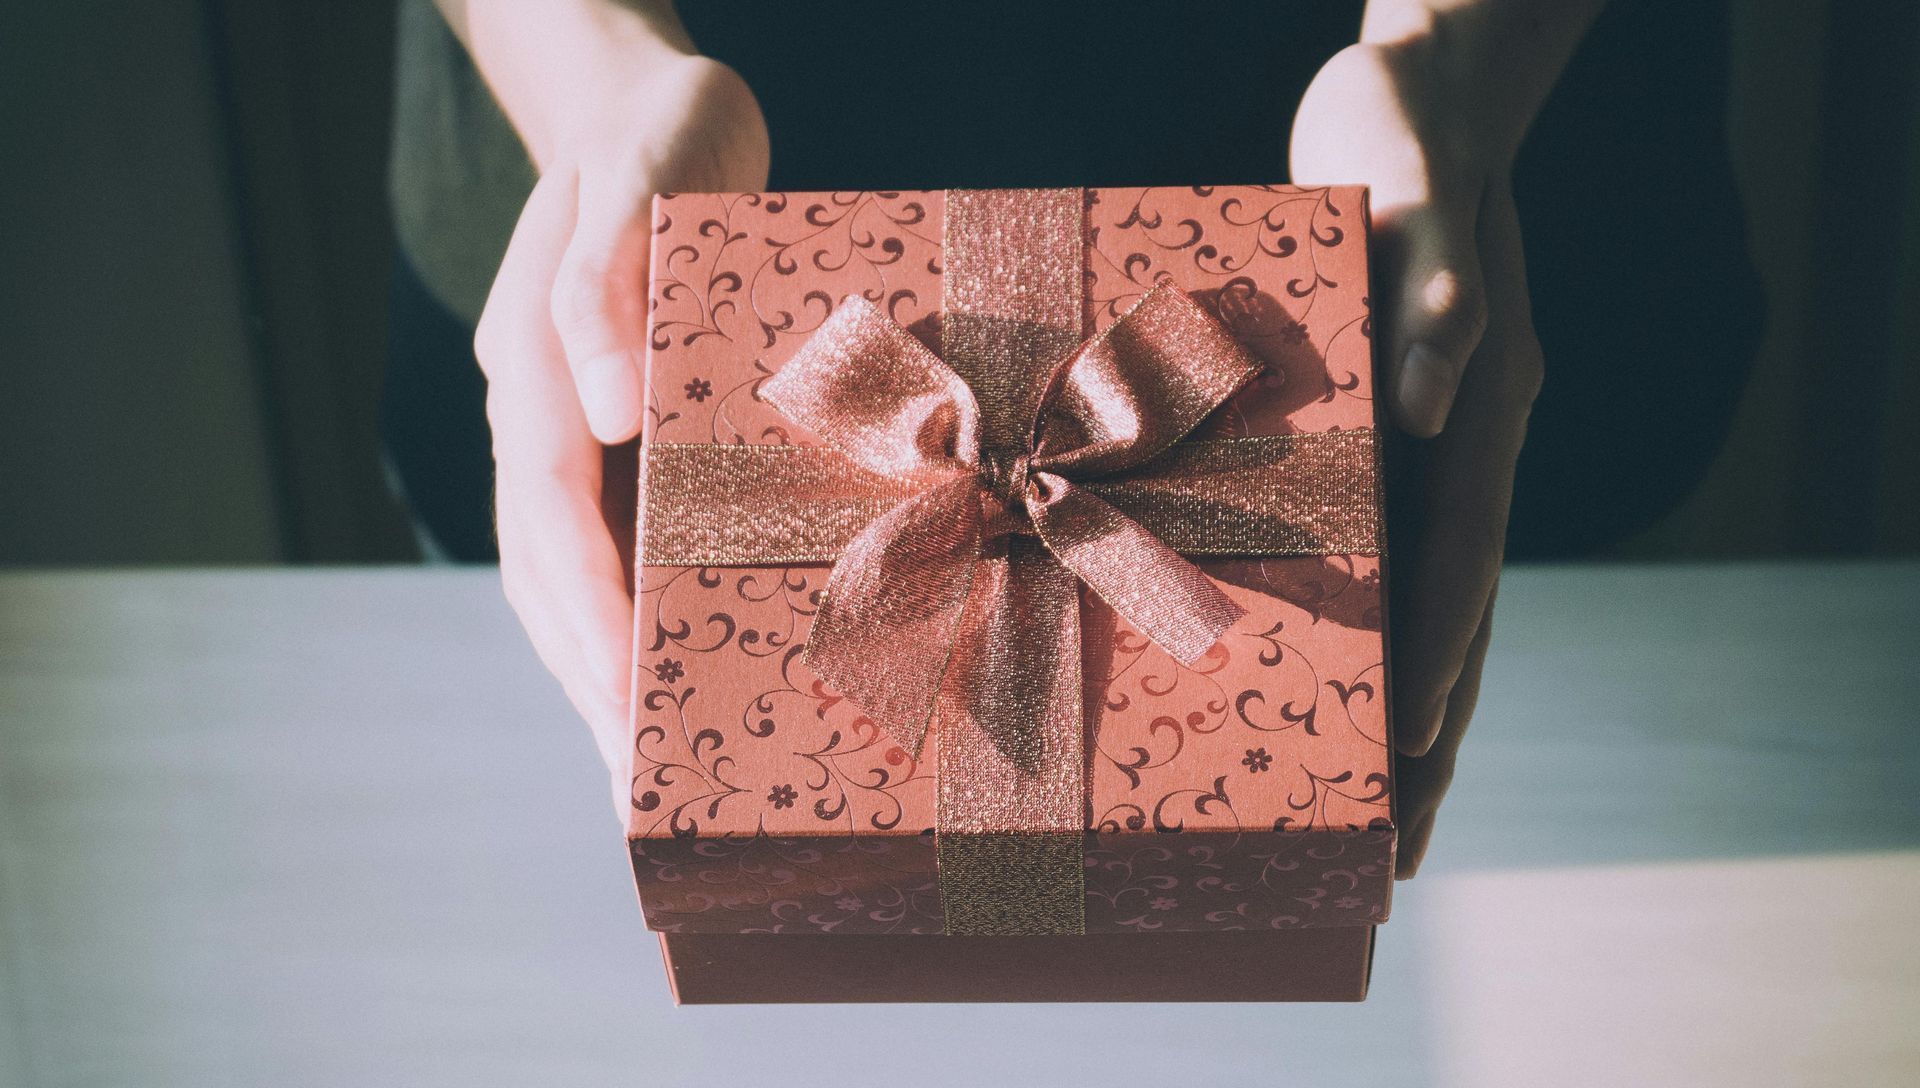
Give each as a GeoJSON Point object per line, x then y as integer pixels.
{"type": "Point", "coordinates": [337, 828]}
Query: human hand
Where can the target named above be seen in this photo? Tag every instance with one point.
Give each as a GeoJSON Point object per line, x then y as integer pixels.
{"type": "Point", "coordinates": [562, 344]}
{"type": "Point", "coordinates": [1462, 370]}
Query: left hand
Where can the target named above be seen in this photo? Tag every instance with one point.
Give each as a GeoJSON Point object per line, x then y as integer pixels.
{"type": "Point", "coordinates": [1462, 370]}
{"type": "Point", "coordinates": [561, 343]}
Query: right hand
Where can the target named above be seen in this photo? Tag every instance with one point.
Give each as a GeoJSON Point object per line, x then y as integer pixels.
{"type": "Point", "coordinates": [562, 343]}
{"type": "Point", "coordinates": [1462, 363]}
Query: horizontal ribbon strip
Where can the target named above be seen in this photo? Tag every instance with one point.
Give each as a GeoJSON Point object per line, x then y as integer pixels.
{"type": "Point", "coordinates": [1294, 494]}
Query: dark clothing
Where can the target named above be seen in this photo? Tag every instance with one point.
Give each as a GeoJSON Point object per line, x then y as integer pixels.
{"type": "Point", "coordinates": [1644, 299]}
{"type": "Point", "coordinates": [433, 420]}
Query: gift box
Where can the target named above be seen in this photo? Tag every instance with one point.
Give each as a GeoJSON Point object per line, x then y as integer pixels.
{"type": "Point", "coordinates": [1009, 597]}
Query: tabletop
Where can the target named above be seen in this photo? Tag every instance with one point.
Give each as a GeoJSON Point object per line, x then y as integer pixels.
{"type": "Point", "coordinates": [336, 827]}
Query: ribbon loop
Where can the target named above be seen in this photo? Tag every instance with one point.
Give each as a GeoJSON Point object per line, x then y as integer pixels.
{"type": "Point", "coordinates": [886, 631]}
{"type": "Point", "coordinates": [1134, 390]}
{"type": "Point", "coordinates": [874, 391]}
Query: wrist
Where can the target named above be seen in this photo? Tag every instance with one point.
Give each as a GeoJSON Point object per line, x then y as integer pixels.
{"type": "Point", "coordinates": [1474, 73]}
{"type": "Point", "coordinates": [1446, 106]}
{"type": "Point", "coordinates": [557, 67]}
{"type": "Point", "coordinates": [1383, 114]}
{"type": "Point", "coordinates": [1451, 104]}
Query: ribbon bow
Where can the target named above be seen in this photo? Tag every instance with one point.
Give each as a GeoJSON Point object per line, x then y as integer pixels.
{"type": "Point", "coordinates": [909, 588]}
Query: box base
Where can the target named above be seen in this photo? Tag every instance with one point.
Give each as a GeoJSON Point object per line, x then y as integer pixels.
{"type": "Point", "coordinates": [1323, 964]}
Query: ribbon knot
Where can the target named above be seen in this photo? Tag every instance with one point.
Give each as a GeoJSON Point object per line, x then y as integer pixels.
{"type": "Point", "coordinates": [906, 593]}
{"type": "Point", "coordinates": [1005, 482]}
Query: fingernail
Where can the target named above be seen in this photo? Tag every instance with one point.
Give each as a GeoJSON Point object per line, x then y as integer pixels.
{"type": "Point", "coordinates": [1424, 390]}
{"type": "Point", "coordinates": [610, 393]}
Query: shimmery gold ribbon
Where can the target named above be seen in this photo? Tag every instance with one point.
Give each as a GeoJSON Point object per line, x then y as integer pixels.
{"type": "Point", "coordinates": [1280, 494]}
{"type": "Point", "coordinates": [964, 498]}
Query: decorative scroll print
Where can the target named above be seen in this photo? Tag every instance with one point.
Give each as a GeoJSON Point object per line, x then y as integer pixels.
{"type": "Point", "coordinates": [780, 884]}
{"type": "Point", "coordinates": [1275, 262]}
{"type": "Point", "coordinates": [1212, 880]}
{"type": "Point", "coordinates": [746, 278]}
{"type": "Point", "coordinates": [1247, 791]}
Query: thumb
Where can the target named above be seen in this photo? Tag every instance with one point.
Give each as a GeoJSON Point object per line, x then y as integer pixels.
{"type": "Point", "coordinates": [599, 306]}
{"type": "Point", "coordinates": [1438, 311]}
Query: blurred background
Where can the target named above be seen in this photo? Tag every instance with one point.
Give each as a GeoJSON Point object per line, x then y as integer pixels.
{"type": "Point", "coordinates": [195, 256]}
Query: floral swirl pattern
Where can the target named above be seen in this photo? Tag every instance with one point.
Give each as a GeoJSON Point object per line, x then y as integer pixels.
{"type": "Point", "coordinates": [1250, 790]}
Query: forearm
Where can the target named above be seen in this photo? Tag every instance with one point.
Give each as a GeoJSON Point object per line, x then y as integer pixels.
{"type": "Point", "coordinates": [542, 60]}
{"type": "Point", "coordinates": [1491, 62]}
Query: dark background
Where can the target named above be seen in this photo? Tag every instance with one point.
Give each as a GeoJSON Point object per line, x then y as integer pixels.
{"type": "Point", "coordinates": [195, 255]}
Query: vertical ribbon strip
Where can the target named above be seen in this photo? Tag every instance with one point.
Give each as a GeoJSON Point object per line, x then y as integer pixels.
{"type": "Point", "coordinates": [1012, 772]}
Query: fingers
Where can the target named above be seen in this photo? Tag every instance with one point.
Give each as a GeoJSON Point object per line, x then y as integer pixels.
{"type": "Point", "coordinates": [1437, 312]}
{"type": "Point", "coordinates": [599, 305]}
{"type": "Point", "coordinates": [564, 581]}
{"type": "Point", "coordinates": [560, 568]}
{"type": "Point", "coordinates": [1463, 493]}
{"type": "Point", "coordinates": [1465, 490]}
{"type": "Point", "coordinates": [1423, 782]}
{"type": "Point", "coordinates": [536, 417]}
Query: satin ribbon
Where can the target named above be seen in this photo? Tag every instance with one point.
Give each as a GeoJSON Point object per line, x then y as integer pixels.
{"type": "Point", "coordinates": [963, 502]}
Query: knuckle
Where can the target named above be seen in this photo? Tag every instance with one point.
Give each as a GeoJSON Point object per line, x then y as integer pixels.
{"type": "Point", "coordinates": [1532, 377]}
{"type": "Point", "coordinates": [516, 587]}
{"type": "Point", "coordinates": [488, 340]}
{"type": "Point", "coordinates": [1480, 530]}
{"type": "Point", "coordinates": [502, 411]}
{"type": "Point", "coordinates": [1525, 372]}
{"type": "Point", "coordinates": [608, 676]}
{"type": "Point", "coordinates": [1458, 303]}
{"type": "Point", "coordinates": [1427, 777]}
{"type": "Point", "coordinates": [578, 302]}
{"type": "Point", "coordinates": [526, 463]}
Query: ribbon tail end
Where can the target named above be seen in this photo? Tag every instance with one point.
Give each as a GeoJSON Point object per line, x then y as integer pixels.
{"type": "Point", "coordinates": [1221, 616]}
{"type": "Point", "coordinates": [910, 735]}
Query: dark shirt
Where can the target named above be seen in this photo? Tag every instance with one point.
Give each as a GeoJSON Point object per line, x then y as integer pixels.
{"type": "Point", "coordinates": [1646, 305]}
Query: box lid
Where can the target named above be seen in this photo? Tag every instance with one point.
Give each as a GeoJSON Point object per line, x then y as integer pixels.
{"type": "Point", "coordinates": [1249, 790]}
